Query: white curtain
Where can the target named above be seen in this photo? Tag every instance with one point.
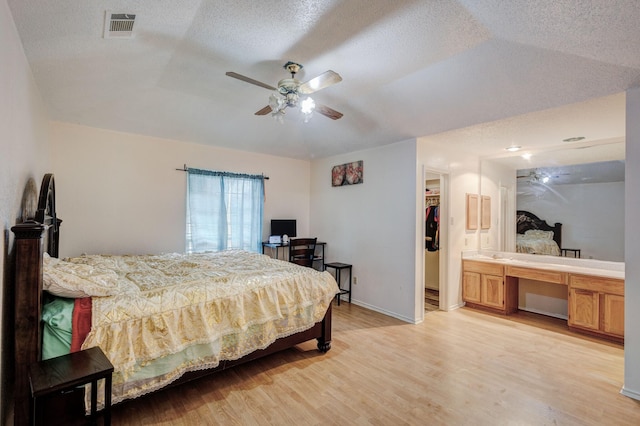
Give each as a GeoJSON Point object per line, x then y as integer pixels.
{"type": "Point", "coordinates": [224, 211]}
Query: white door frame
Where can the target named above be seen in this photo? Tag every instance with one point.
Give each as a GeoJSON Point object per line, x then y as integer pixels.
{"type": "Point", "coordinates": [443, 261]}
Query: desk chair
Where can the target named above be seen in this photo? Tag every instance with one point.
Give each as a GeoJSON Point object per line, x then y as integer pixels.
{"type": "Point", "coordinates": [301, 251]}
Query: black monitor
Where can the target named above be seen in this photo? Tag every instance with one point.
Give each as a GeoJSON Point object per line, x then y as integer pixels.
{"type": "Point", "coordinates": [283, 227]}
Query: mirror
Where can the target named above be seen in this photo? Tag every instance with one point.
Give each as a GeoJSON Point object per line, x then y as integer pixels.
{"type": "Point", "coordinates": [578, 185]}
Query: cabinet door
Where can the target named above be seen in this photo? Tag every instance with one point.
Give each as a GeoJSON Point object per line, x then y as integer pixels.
{"type": "Point", "coordinates": [471, 287]}
{"type": "Point", "coordinates": [492, 291]}
{"type": "Point", "coordinates": [613, 318]}
{"type": "Point", "coordinates": [584, 308]}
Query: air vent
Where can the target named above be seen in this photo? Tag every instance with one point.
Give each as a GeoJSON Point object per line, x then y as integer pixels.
{"type": "Point", "coordinates": [118, 25]}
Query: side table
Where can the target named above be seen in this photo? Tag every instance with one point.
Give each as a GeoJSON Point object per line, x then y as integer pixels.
{"type": "Point", "coordinates": [339, 266]}
{"type": "Point", "coordinates": [66, 372]}
{"type": "Point", "coordinates": [576, 252]}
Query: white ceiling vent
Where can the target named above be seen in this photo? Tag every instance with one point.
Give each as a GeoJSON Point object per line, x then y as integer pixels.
{"type": "Point", "coordinates": [118, 25]}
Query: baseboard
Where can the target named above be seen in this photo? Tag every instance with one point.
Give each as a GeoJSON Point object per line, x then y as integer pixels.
{"type": "Point", "coordinates": [454, 307]}
{"type": "Point", "coordinates": [630, 393]}
{"type": "Point", "coordinates": [385, 312]}
{"type": "Point", "coordinates": [549, 314]}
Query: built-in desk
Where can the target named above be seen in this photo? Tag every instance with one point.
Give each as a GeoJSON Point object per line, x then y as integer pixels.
{"type": "Point", "coordinates": [595, 297]}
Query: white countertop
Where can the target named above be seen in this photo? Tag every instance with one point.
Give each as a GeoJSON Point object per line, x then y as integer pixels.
{"type": "Point", "coordinates": [599, 268]}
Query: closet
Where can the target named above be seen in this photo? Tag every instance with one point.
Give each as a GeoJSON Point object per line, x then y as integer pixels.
{"type": "Point", "coordinates": [432, 244]}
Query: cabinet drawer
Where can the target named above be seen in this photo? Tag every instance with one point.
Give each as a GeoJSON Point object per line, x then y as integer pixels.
{"type": "Point", "coordinates": [483, 267]}
{"type": "Point", "coordinates": [537, 274]}
{"type": "Point", "coordinates": [600, 284]}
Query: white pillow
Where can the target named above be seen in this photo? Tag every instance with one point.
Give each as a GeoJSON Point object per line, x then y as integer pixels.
{"type": "Point", "coordinates": [66, 279]}
{"type": "Point", "coordinates": [538, 234]}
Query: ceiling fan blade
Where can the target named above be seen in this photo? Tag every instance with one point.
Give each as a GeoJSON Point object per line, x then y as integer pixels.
{"type": "Point", "coordinates": [325, 79]}
{"type": "Point", "coordinates": [249, 80]}
{"type": "Point", "coordinates": [264, 111]}
{"type": "Point", "coordinates": [328, 112]}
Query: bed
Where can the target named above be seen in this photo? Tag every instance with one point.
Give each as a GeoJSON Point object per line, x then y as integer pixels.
{"type": "Point", "coordinates": [536, 236]}
{"type": "Point", "coordinates": [160, 319]}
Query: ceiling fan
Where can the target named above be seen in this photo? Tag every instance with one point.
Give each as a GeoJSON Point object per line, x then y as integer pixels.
{"type": "Point", "coordinates": [291, 93]}
{"type": "Point", "coordinates": [536, 176]}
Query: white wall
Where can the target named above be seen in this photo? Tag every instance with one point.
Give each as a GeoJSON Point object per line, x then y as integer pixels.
{"type": "Point", "coordinates": [24, 155]}
{"type": "Point", "coordinates": [372, 225]}
{"type": "Point", "coordinates": [632, 249]}
{"type": "Point", "coordinates": [592, 216]}
{"type": "Point", "coordinates": [120, 193]}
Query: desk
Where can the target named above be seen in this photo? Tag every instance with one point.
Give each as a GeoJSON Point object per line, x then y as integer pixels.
{"type": "Point", "coordinates": [278, 246]}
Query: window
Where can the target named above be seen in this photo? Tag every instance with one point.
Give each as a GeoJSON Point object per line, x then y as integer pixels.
{"type": "Point", "coordinates": [224, 211]}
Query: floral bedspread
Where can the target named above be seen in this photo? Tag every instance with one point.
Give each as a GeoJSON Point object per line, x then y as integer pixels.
{"type": "Point", "coordinates": [533, 245]}
{"type": "Point", "coordinates": [179, 313]}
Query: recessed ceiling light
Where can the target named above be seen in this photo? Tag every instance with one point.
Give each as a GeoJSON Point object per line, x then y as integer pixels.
{"type": "Point", "coordinates": [513, 148]}
{"type": "Point", "coordinates": [574, 139]}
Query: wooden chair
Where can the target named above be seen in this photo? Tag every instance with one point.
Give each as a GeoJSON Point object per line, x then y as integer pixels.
{"type": "Point", "coordinates": [302, 250]}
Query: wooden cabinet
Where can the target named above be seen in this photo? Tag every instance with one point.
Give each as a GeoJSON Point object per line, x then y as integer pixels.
{"type": "Point", "coordinates": [471, 286]}
{"type": "Point", "coordinates": [596, 304]}
{"type": "Point", "coordinates": [492, 291]}
{"type": "Point", "coordinates": [483, 284]}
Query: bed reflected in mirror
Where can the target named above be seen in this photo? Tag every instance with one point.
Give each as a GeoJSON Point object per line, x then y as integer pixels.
{"type": "Point", "coordinates": [563, 202]}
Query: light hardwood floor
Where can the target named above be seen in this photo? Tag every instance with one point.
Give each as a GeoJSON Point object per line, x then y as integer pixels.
{"type": "Point", "coordinates": [456, 368]}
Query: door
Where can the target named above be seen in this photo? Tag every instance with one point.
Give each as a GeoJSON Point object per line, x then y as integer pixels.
{"type": "Point", "coordinates": [434, 231]}
{"type": "Point", "coordinates": [471, 287]}
{"type": "Point", "coordinates": [584, 308]}
{"type": "Point", "coordinates": [613, 319]}
{"type": "Point", "coordinates": [493, 291]}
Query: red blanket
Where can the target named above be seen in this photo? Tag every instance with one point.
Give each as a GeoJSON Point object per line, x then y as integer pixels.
{"type": "Point", "coordinates": [80, 322]}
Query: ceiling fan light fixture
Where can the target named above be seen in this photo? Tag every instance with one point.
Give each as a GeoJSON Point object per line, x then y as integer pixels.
{"type": "Point", "coordinates": [278, 115]}
{"type": "Point", "coordinates": [277, 102]}
{"type": "Point", "coordinates": [289, 90]}
{"type": "Point", "coordinates": [291, 99]}
{"type": "Point", "coordinates": [307, 106]}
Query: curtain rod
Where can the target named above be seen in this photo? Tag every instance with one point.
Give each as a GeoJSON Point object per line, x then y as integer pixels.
{"type": "Point", "coordinates": [184, 169]}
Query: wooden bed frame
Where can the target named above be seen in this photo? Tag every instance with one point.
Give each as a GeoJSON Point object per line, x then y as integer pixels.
{"type": "Point", "coordinates": [31, 237]}
{"type": "Point", "coordinates": [531, 221]}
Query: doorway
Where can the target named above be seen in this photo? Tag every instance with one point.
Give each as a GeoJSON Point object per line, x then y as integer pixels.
{"type": "Point", "coordinates": [434, 244]}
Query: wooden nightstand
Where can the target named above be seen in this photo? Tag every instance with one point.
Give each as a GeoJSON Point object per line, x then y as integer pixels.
{"type": "Point", "coordinates": [66, 372]}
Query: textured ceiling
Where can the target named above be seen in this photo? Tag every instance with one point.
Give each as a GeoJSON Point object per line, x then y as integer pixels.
{"type": "Point", "coordinates": [409, 68]}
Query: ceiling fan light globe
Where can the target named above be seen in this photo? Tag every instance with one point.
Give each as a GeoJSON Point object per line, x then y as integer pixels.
{"type": "Point", "coordinates": [278, 115]}
{"type": "Point", "coordinates": [307, 106]}
{"type": "Point", "coordinates": [274, 102]}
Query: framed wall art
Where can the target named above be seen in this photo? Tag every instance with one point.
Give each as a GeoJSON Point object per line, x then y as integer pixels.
{"type": "Point", "coordinates": [347, 174]}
